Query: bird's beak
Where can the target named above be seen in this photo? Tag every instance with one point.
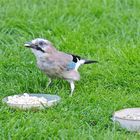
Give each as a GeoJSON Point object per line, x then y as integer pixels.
{"type": "Point", "coordinates": [31, 45]}
{"type": "Point", "coordinates": [28, 44]}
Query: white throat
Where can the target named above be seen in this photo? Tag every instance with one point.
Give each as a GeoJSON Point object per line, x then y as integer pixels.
{"type": "Point", "coordinates": [38, 54]}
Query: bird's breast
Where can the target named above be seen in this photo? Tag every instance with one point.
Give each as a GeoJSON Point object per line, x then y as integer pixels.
{"type": "Point", "coordinates": [44, 65]}
{"type": "Point", "coordinates": [50, 68]}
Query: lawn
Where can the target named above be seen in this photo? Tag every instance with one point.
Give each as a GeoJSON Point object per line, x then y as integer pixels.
{"type": "Point", "coordinates": [103, 30]}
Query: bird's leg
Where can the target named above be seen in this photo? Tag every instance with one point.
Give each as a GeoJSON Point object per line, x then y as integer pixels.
{"type": "Point", "coordinates": [49, 82]}
{"type": "Point", "coordinates": [72, 86]}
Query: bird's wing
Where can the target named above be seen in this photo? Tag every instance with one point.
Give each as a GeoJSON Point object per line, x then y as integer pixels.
{"type": "Point", "coordinates": [76, 61]}
{"type": "Point", "coordinates": [67, 62]}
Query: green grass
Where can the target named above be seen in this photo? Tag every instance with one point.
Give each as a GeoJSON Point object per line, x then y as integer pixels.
{"type": "Point", "coordinates": [103, 30]}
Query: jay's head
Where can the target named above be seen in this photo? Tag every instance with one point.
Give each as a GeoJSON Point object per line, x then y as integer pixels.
{"type": "Point", "coordinates": [39, 46]}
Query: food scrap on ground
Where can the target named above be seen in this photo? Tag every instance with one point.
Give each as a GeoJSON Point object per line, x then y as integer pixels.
{"type": "Point", "coordinates": [26, 99]}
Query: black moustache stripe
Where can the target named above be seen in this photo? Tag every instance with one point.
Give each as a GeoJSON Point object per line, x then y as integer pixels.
{"type": "Point", "coordinates": [38, 48]}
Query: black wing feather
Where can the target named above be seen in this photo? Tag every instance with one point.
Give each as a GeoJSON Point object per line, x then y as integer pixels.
{"type": "Point", "coordinates": [75, 58]}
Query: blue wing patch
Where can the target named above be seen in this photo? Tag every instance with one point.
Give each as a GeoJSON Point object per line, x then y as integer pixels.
{"type": "Point", "coordinates": [71, 66]}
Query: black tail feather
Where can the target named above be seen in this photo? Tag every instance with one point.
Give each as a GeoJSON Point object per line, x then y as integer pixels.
{"type": "Point", "coordinates": [90, 61]}
{"type": "Point", "coordinates": [77, 58]}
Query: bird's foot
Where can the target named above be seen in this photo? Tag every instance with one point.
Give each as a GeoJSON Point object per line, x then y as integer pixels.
{"type": "Point", "coordinates": [49, 82]}
{"type": "Point", "coordinates": [72, 88]}
{"type": "Point", "coordinates": [71, 93]}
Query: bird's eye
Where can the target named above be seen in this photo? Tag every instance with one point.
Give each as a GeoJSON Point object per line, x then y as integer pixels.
{"type": "Point", "coordinates": [41, 43]}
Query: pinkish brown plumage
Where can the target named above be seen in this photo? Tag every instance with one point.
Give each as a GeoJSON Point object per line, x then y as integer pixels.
{"type": "Point", "coordinates": [56, 64]}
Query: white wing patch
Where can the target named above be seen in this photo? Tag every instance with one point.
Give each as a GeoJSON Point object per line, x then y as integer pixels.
{"type": "Point", "coordinates": [79, 63]}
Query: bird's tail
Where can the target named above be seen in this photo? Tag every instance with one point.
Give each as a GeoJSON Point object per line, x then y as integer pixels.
{"type": "Point", "coordinates": [90, 61]}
